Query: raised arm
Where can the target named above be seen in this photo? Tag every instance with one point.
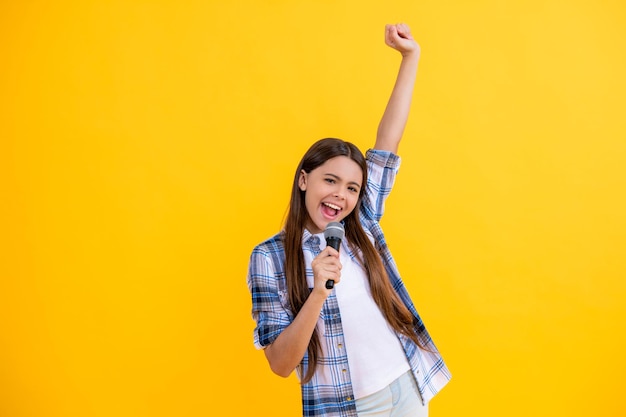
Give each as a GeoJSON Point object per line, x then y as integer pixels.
{"type": "Point", "coordinates": [391, 126]}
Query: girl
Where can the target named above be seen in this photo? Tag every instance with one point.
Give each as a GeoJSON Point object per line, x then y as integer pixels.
{"type": "Point", "coordinates": [360, 348]}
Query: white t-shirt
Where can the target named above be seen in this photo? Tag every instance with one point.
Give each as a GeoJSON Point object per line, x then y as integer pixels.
{"type": "Point", "coordinates": [375, 355]}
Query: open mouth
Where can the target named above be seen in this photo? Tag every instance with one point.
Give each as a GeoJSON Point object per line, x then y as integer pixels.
{"type": "Point", "coordinates": [330, 210]}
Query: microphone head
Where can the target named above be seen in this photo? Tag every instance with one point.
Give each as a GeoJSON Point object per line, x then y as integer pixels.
{"type": "Point", "coordinates": [334, 230]}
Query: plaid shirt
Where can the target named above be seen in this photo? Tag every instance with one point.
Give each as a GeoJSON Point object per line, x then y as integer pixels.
{"type": "Point", "coordinates": [271, 311]}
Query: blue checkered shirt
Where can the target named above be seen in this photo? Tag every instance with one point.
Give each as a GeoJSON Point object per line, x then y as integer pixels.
{"type": "Point", "coordinates": [271, 311]}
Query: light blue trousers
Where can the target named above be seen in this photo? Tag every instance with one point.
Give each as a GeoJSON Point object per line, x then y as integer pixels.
{"type": "Point", "coordinates": [399, 399]}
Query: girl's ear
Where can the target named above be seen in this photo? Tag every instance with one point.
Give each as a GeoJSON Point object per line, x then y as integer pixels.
{"type": "Point", "coordinates": [302, 180]}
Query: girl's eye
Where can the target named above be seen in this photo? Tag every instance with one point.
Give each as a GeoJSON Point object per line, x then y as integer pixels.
{"type": "Point", "coordinates": [330, 180]}
{"type": "Point", "coordinates": [354, 190]}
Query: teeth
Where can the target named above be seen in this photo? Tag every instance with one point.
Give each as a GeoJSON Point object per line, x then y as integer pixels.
{"type": "Point", "coordinates": [332, 206]}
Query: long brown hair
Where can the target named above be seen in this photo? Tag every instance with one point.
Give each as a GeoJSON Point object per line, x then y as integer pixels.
{"type": "Point", "coordinates": [392, 307]}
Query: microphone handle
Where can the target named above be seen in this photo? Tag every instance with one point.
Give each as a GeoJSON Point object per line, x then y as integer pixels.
{"type": "Point", "coordinates": [334, 243]}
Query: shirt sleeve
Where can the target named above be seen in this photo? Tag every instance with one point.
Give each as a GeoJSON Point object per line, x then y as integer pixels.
{"type": "Point", "coordinates": [382, 168]}
{"type": "Point", "coordinates": [269, 298]}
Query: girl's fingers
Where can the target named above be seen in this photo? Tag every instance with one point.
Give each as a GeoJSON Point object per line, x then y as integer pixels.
{"type": "Point", "coordinates": [404, 31]}
{"type": "Point", "coordinates": [327, 260]}
{"type": "Point", "coordinates": [390, 34]}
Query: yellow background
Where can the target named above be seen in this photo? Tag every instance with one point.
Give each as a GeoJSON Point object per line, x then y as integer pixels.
{"type": "Point", "coordinates": [147, 146]}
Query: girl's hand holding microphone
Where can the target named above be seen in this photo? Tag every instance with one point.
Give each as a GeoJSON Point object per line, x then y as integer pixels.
{"type": "Point", "coordinates": [326, 266]}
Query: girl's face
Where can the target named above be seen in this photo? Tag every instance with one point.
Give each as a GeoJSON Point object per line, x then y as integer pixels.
{"type": "Point", "coordinates": [331, 191]}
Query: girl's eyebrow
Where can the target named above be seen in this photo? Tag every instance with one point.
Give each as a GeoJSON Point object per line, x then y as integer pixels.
{"type": "Point", "coordinates": [339, 179]}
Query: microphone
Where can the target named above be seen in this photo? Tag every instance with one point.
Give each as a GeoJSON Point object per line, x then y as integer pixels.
{"type": "Point", "coordinates": [333, 234]}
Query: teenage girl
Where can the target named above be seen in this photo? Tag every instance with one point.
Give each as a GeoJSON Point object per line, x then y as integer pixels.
{"type": "Point", "coordinates": [360, 348]}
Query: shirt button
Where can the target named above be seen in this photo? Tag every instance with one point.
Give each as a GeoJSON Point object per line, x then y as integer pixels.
{"type": "Point", "coordinates": [349, 399]}
{"type": "Point", "coordinates": [339, 345]}
{"type": "Point", "coordinates": [344, 371]}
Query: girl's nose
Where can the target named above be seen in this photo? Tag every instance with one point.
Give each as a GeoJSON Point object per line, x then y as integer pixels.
{"type": "Point", "coordinates": [339, 194]}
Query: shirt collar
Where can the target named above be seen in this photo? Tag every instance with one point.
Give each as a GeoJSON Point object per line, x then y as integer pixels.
{"type": "Point", "coordinates": [312, 239]}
